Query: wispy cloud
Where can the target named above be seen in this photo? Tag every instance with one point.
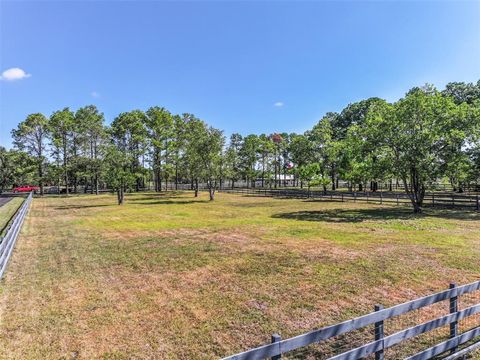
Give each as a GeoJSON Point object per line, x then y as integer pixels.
{"type": "Point", "coordinates": [95, 94]}
{"type": "Point", "coordinates": [13, 74]}
{"type": "Point", "coordinates": [278, 104]}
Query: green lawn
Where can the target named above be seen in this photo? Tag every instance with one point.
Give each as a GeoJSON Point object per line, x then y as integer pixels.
{"type": "Point", "coordinates": [170, 276]}
{"type": "Point", "coordinates": [7, 211]}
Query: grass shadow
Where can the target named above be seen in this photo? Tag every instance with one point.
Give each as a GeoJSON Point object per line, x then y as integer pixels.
{"type": "Point", "coordinates": [172, 202]}
{"type": "Point", "coordinates": [4, 200]}
{"type": "Point", "coordinates": [360, 215]}
{"type": "Point", "coordinates": [154, 196]}
{"type": "Point", "coordinates": [70, 207]}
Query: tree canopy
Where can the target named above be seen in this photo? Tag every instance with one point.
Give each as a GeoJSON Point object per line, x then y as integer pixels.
{"type": "Point", "coordinates": [423, 138]}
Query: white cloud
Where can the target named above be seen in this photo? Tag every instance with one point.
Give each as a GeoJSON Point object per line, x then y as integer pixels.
{"type": "Point", "coordinates": [95, 94]}
{"type": "Point", "coordinates": [13, 74]}
{"type": "Point", "coordinates": [278, 104]}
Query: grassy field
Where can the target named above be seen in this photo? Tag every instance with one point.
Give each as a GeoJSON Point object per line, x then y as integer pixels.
{"type": "Point", "coordinates": [169, 276]}
{"type": "Point", "coordinates": [7, 210]}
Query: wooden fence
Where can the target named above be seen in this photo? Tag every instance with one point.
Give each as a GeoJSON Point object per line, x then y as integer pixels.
{"type": "Point", "coordinates": [7, 243]}
{"type": "Point", "coordinates": [431, 199]}
{"type": "Point", "coordinates": [457, 345]}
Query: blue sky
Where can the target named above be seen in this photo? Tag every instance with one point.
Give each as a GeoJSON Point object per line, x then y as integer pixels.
{"type": "Point", "coordinates": [241, 66]}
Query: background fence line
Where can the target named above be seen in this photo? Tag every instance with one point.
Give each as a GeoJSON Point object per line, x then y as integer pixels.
{"type": "Point", "coordinates": [7, 243]}
{"type": "Point", "coordinates": [431, 199]}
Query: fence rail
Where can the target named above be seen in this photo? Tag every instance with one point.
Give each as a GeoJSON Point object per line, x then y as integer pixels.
{"type": "Point", "coordinates": [377, 318]}
{"type": "Point", "coordinates": [7, 243]}
{"type": "Point", "coordinates": [431, 199]}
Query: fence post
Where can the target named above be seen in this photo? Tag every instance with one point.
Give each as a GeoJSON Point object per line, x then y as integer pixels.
{"type": "Point", "coordinates": [453, 200]}
{"type": "Point", "coordinates": [381, 198]}
{"type": "Point", "coordinates": [453, 310]}
{"type": "Point", "coordinates": [433, 199]}
{"type": "Point", "coordinates": [342, 198]}
{"type": "Point", "coordinates": [478, 204]}
{"type": "Point", "coordinates": [276, 338]}
{"type": "Point", "coordinates": [396, 195]}
{"type": "Point", "coordinates": [354, 196]}
{"type": "Point", "coordinates": [367, 197]}
{"type": "Point", "coordinates": [379, 334]}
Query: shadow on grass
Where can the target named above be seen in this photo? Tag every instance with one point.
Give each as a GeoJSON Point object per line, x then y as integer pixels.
{"type": "Point", "coordinates": [4, 200]}
{"type": "Point", "coordinates": [70, 207]}
{"type": "Point", "coordinates": [171, 202]}
{"type": "Point", "coordinates": [154, 196]}
{"type": "Point", "coordinates": [163, 198]}
{"type": "Point", "coordinates": [360, 215]}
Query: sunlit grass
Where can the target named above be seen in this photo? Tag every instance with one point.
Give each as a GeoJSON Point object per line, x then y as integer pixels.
{"type": "Point", "coordinates": [170, 276]}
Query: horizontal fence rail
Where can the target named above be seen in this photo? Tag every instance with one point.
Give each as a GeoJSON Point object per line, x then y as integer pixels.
{"type": "Point", "coordinates": [431, 199]}
{"type": "Point", "coordinates": [377, 318]}
{"type": "Point", "coordinates": [342, 185]}
{"type": "Point", "coordinates": [7, 243]}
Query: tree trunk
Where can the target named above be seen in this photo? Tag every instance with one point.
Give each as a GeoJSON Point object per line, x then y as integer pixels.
{"type": "Point", "coordinates": [65, 167]}
{"type": "Point", "coordinates": [263, 174]}
{"type": "Point", "coordinates": [211, 189]}
{"type": "Point", "coordinates": [176, 176]}
{"type": "Point", "coordinates": [40, 175]}
{"type": "Point", "coordinates": [416, 208]}
{"type": "Point", "coordinates": [416, 192]}
{"type": "Point", "coordinates": [276, 172]}
{"type": "Point", "coordinates": [120, 194]}
{"type": "Point", "coordinates": [196, 187]}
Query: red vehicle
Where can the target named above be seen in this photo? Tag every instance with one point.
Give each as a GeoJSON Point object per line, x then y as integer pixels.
{"type": "Point", "coordinates": [26, 188]}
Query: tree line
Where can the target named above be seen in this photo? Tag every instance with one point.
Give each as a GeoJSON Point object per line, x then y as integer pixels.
{"type": "Point", "coordinates": [425, 136]}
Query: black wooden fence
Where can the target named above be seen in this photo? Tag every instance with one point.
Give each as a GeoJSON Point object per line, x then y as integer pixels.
{"type": "Point", "coordinates": [457, 345]}
{"type": "Point", "coordinates": [439, 199]}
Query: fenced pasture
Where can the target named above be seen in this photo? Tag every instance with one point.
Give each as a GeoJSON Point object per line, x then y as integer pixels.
{"type": "Point", "coordinates": [169, 276]}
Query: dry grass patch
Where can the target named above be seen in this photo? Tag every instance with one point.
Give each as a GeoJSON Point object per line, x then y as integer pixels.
{"type": "Point", "coordinates": [168, 276]}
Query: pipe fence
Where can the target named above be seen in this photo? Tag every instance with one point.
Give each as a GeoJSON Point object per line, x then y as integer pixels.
{"type": "Point", "coordinates": [7, 243]}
